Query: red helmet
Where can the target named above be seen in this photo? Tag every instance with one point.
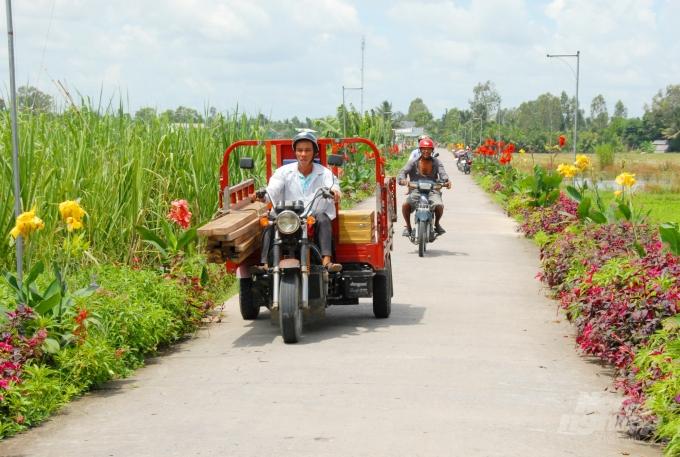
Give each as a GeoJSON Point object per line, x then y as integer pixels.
{"type": "Point", "coordinates": [426, 143]}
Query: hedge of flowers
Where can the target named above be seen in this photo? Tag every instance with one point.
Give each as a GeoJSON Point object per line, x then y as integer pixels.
{"type": "Point", "coordinates": [58, 339]}
{"type": "Point", "coordinates": [616, 277]}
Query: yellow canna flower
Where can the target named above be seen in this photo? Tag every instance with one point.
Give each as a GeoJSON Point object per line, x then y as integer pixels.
{"type": "Point", "coordinates": [626, 179]}
{"type": "Point", "coordinates": [73, 224]}
{"type": "Point", "coordinates": [27, 223]}
{"type": "Point", "coordinates": [522, 151]}
{"type": "Point", "coordinates": [71, 208]}
{"type": "Point", "coordinates": [582, 162]}
{"type": "Point", "coordinates": [72, 214]}
{"type": "Point", "coordinates": [617, 193]}
{"type": "Point", "coordinates": [568, 171]}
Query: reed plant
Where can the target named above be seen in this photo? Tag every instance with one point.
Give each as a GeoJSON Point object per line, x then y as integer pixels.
{"type": "Point", "coordinates": [124, 171]}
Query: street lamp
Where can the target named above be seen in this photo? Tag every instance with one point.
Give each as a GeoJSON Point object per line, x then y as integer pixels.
{"type": "Point", "coordinates": [578, 61]}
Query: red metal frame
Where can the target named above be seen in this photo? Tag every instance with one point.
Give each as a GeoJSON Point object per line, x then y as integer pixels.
{"type": "Point", "coordinates": [373, 254]}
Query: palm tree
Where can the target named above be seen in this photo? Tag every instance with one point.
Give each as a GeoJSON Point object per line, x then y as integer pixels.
{"type": "Point", "coordinates": [385, 109]}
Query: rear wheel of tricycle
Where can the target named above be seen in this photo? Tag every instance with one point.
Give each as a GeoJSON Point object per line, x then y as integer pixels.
{"type": "Point", "coordinates": [249, 310]}
{"type": "Point", "coordinates": [382, 292]}
{"type": "Point", "coordinates": [290, 314]}
{"type": "Point", "coordinates": [422, 237]}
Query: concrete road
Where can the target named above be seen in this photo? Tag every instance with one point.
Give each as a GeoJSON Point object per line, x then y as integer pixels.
{"type": "Point", "coordinates": [474, 361]}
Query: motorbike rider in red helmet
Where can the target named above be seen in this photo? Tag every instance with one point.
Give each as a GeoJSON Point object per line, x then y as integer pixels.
{"type": "Point", "coordinates": [425, 167]}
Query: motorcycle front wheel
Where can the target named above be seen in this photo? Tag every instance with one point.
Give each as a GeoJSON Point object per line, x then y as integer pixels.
{"type": "Point", "coordinates": [422, 237]}
{"type": "Point", "coordinates": [290, 314]}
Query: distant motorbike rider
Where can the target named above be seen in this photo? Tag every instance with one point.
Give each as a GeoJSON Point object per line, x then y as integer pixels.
{"type": "Point", "coordinates": [300, 181]}
{"type": "Point", "coordinates": [425, 167]}
{"type": "Point", "coordinates": [466, 154]}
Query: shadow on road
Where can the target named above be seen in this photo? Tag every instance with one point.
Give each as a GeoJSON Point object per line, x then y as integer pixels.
{"type": "Point", "coordinates": [340, 322]}
{"type": "Point", "coordinates": [442, 253]}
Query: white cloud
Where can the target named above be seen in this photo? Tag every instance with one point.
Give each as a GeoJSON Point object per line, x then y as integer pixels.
{"type": "Point", "coordinates": [291, 57]}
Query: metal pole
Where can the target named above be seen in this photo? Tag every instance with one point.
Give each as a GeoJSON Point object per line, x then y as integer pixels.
{"type": "Point", "coordinates": [344, 114]}
{"type": "Point", "coordinates": [363, 45]}
{"type": "Point", "coordinates": [15, 139]}
{"type": "Point", "coordinates": [481, 121]}
{"type": "Point", "coordinates": [578, 61]}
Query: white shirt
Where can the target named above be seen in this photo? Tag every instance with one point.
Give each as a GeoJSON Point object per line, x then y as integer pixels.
{"type": "Point", "coordinates": [287, 183]}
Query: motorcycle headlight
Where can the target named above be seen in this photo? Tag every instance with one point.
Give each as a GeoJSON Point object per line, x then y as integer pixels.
{"type": "Point", "coordinates": [288, 222]}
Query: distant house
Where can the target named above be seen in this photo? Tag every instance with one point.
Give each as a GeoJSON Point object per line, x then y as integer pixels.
{"type": "Point", "coordinates": [407, 133]}
{"type": "Point", "coordinates": [661, 146]}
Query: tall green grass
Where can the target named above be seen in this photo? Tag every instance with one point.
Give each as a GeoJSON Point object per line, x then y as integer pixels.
{"type": "Point", "coordinates": [127, 171]}
{"type": "Point", "coordinates": [124, 171]}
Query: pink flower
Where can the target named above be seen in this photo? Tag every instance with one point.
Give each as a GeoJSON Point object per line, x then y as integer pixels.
{"type": "Point", "coordinates": [4, 347]}
{"type": "Point", "coordinates": [180, 214]}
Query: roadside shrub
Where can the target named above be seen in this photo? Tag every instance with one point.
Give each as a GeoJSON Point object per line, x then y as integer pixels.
{"type": "Point", "coordinates": [136, 312]}
{"type": "Point", "coordinates": [39, 394]}
{"type": "Point", "coordinates": [605, 154]}
{"type": "Point", "coordinates": [89, 364]}
{"type": "Point", "coordinates": [658, 376]}
{"type": "Point", "coordinates": [549, 219]}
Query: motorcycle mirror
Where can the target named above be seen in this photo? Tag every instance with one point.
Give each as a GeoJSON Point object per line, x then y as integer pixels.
{"type": "Point", "coordinates": [336, 160]}
{"type": "Point", "coordinates": [436, 154]}
{"type": "Point", "coordinates": [246, 163]}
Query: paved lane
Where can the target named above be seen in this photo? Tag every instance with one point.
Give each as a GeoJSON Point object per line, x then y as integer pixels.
{"type": "Point", "coordinates": [474, 361]}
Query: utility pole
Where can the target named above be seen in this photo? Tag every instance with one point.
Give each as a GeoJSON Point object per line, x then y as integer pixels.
{"type": "Point", "coordinates": [361, 106]}
{"type": "Point", "coordinates": [481, 121]}
{"type": "Point", "coordinates": [578, 64]}
{"type": "Point", "coordinates": [363, 46]}
{"type": "Point", "coordinates": [15, 139]}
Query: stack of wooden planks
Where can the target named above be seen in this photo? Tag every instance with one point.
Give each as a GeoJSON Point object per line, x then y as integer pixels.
{"type": "Point", "coordinates": [235, 235]}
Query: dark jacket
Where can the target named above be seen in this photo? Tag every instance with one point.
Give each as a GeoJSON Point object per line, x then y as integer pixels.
{"type": "Point", "coordinates": [411, 170]}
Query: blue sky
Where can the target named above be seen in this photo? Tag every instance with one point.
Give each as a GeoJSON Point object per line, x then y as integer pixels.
{"type": "Point", "coordinates": [289, 58]}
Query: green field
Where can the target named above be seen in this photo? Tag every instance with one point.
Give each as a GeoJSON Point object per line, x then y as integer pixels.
{"type": "Point", "coordinates": [658, 175]}
{"type": "Point", "coordinates": [662, 207]}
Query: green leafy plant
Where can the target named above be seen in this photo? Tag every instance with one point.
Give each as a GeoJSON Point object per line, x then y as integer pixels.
{"type": "Point", "coordinates": [170, 246]}
{"type": "Point", "coordinates": [543, 187]}
{"type": "Point", "coordinates": [670, 234]}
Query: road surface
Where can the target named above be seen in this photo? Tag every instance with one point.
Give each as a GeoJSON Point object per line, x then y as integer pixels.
{"type": "Point", "coordinates": [474, 361]}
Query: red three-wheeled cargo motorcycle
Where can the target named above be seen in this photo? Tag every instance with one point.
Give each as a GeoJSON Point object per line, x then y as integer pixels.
{"type": "Point", "coordinates": [296, 285]}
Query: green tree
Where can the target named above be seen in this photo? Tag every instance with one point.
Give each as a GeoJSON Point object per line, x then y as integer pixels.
{"type": "Point", "coordinates": [599, 116]}
{"type": "Point", "coordinates": [385, 109]}
{"type": "Point", "coordinates": [567, 108]}
{"type": "Point", "coordinates": [32, 99]}
{"type": "Point", "coordinates": [418, 112]}
{"type": "Point", "coordinates": [187, 115]}
{"type": "Point", "coordinates": [485, 100]}
{"type": "Point", "coordinates": [664, 113]}
{"type": "Point", "coordinates": [145, 114]}
{"type": "Point", "coordinates": [620, 110]}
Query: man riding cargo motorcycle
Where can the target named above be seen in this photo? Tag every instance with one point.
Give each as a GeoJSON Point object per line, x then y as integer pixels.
{"type": "Point", "coordinates": [301, 181]}
{"type": "Point", "coordinates": [425, 167]}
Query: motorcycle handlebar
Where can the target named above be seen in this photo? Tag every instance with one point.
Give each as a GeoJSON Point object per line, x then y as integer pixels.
{"type": "Point", "coordinates": [437, 185]}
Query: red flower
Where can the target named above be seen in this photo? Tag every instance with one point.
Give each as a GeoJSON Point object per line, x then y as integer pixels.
{"type": "Point", "coordinates": [562, 141]}
{"type": "Point", "coordinates": [82, 315]}
{"type": "Point", "coordinates": [509, 149]}
{"type": "Point", "coordinates": [180, 214]}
